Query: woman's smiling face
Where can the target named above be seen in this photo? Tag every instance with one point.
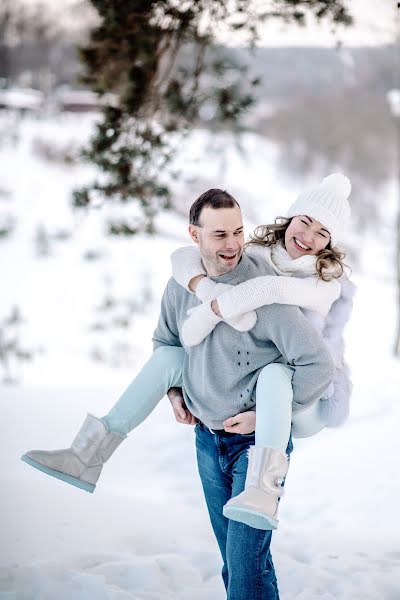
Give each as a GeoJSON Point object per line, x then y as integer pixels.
{"type": "Point", "coordinates": [305, 236]}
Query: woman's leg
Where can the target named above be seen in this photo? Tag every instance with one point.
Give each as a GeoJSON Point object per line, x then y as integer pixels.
{"type": "Point", "coordinates": [81, 464]}
{"type": "Point", "coordinates": [274, 406]}
{"type": "Point", "coordinates": [274, 409]}
{"type": "Point", "coordinates": [258, 504]}
{"type": "Point", "coordinates": [309, 421]}
{"type": "Point", "coordinates": [162, 371]}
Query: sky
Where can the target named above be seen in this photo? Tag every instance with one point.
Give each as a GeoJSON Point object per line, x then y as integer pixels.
{"type": "Point", "coordinates": [376, 22]}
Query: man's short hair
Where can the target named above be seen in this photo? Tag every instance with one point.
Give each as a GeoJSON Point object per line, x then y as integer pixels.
{"type": "Point", "coordinates": [213, 198]}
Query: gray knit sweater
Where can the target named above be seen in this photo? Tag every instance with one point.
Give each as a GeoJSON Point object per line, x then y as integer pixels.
{"type": "Point", "coordinates": [220, 374]}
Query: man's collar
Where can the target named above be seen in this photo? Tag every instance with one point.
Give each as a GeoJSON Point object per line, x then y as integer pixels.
{"type": "Point", "coordinates": [230, 275]}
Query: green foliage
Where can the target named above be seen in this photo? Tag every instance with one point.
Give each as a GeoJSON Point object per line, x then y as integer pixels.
{"type": "Point", "coordinates": [161, 62]}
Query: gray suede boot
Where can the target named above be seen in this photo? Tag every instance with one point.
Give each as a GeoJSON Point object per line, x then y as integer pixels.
{"type": "Point", "coordinates": [81, 464]}
{"type": "Point", "coordinates": [258, 504]}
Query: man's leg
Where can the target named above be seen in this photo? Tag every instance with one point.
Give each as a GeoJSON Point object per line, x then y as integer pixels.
{"type": "Point", "coordinates": [217, 488]}
{"type": "Point", "coordinates": [250, 567]}
{"type": "Point", "coordinates": [248, 570]}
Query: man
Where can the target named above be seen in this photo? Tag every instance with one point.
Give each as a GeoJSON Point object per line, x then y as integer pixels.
{"type": "Point", "coordinates": [219, 377]}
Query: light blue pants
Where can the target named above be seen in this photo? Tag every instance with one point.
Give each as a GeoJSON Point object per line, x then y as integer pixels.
{"type": "Point", "coordinates": [162, 371]}
{"type": "Point", "coordinates": [274, 392]}
{"type": "Point", "coordinates": [274, 396]}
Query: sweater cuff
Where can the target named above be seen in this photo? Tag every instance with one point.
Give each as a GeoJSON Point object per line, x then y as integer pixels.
{"type": "Point", "coordinates": [226, 305]}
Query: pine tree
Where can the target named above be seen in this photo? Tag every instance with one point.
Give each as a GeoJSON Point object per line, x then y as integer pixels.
{"type": "Point", "coordinates": [158, 67]}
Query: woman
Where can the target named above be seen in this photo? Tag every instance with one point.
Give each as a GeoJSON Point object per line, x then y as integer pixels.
{"type": "Point", "coordinates": [297, 246]}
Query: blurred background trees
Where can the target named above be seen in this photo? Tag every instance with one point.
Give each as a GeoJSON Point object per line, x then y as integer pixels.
{"type": "Point", "coordinates": [153, 71]}
{"type": "Point", "coordinates": [163, 62]}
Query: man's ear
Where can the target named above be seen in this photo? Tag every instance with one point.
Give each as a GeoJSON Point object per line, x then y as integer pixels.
{"type": "Point", "coordinates": [194, 234]}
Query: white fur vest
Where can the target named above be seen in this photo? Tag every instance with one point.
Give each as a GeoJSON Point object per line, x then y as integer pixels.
{"type": "Point", "coordinates": [336, 400]}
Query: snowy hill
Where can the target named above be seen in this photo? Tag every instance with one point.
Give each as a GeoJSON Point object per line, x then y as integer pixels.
{"type": "Point", "coordinates": [144, 534]}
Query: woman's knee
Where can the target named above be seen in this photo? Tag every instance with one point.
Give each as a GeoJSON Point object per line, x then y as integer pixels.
{"type": "Point", "coordinates": [168, 360]}
{"type": "Point", "coordinates": [169, 354]}
{"type": "Point", "coordinates": [275, 372]}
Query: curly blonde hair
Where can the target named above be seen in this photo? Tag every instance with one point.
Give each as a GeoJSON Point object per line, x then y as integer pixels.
{"type": "Point", "coordinates": [329, 263]}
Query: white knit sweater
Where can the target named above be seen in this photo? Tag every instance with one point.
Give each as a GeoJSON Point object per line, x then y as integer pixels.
{"type": "Point", "coordinates": [306, 292]}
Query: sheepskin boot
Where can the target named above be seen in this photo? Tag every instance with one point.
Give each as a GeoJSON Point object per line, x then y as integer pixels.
{"type": "Point", "coordinates": [81, 464]}
{"type": "Point", "coordinates": [258, 504]}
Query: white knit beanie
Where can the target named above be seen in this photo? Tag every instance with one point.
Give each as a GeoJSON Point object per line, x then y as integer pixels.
{"type": "Point", "coordinates": [327, 203]}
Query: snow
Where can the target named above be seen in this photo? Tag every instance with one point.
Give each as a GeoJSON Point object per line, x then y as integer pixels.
{"type": "Point", "coordinates": [145, 533]}
{"type": "Point", "coordinates": [21, 98]}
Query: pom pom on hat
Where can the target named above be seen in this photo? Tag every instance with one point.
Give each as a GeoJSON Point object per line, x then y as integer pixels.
{"type": "Point", "coordinates": [339, 182]}
{"type": "Point", "coordinates": [327, 203]}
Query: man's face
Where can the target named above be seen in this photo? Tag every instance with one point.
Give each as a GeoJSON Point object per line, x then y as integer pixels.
{"type": "Point", "coordinates": [220, 238]}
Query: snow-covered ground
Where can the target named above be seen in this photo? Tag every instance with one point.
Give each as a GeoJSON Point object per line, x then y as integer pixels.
{"type": "Point", "coordinates": [144, 533]}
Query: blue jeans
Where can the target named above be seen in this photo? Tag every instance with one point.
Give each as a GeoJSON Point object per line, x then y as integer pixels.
{"type": "Point", "coordinates": [248, 571]}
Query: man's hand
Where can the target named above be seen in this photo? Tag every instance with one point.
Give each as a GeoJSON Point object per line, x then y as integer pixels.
{"type": "Point", "coordinates": [181, 412]}
{"type": "Point", "coordinates": [215, 307]}
{"type": "Point", "coordinates": [242, 423]}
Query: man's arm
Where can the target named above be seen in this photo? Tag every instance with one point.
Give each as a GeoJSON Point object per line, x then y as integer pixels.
{"type": "Point", "coordinates": [166, 332]}
{"type": "Point", "coordinates": [302, 347]}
